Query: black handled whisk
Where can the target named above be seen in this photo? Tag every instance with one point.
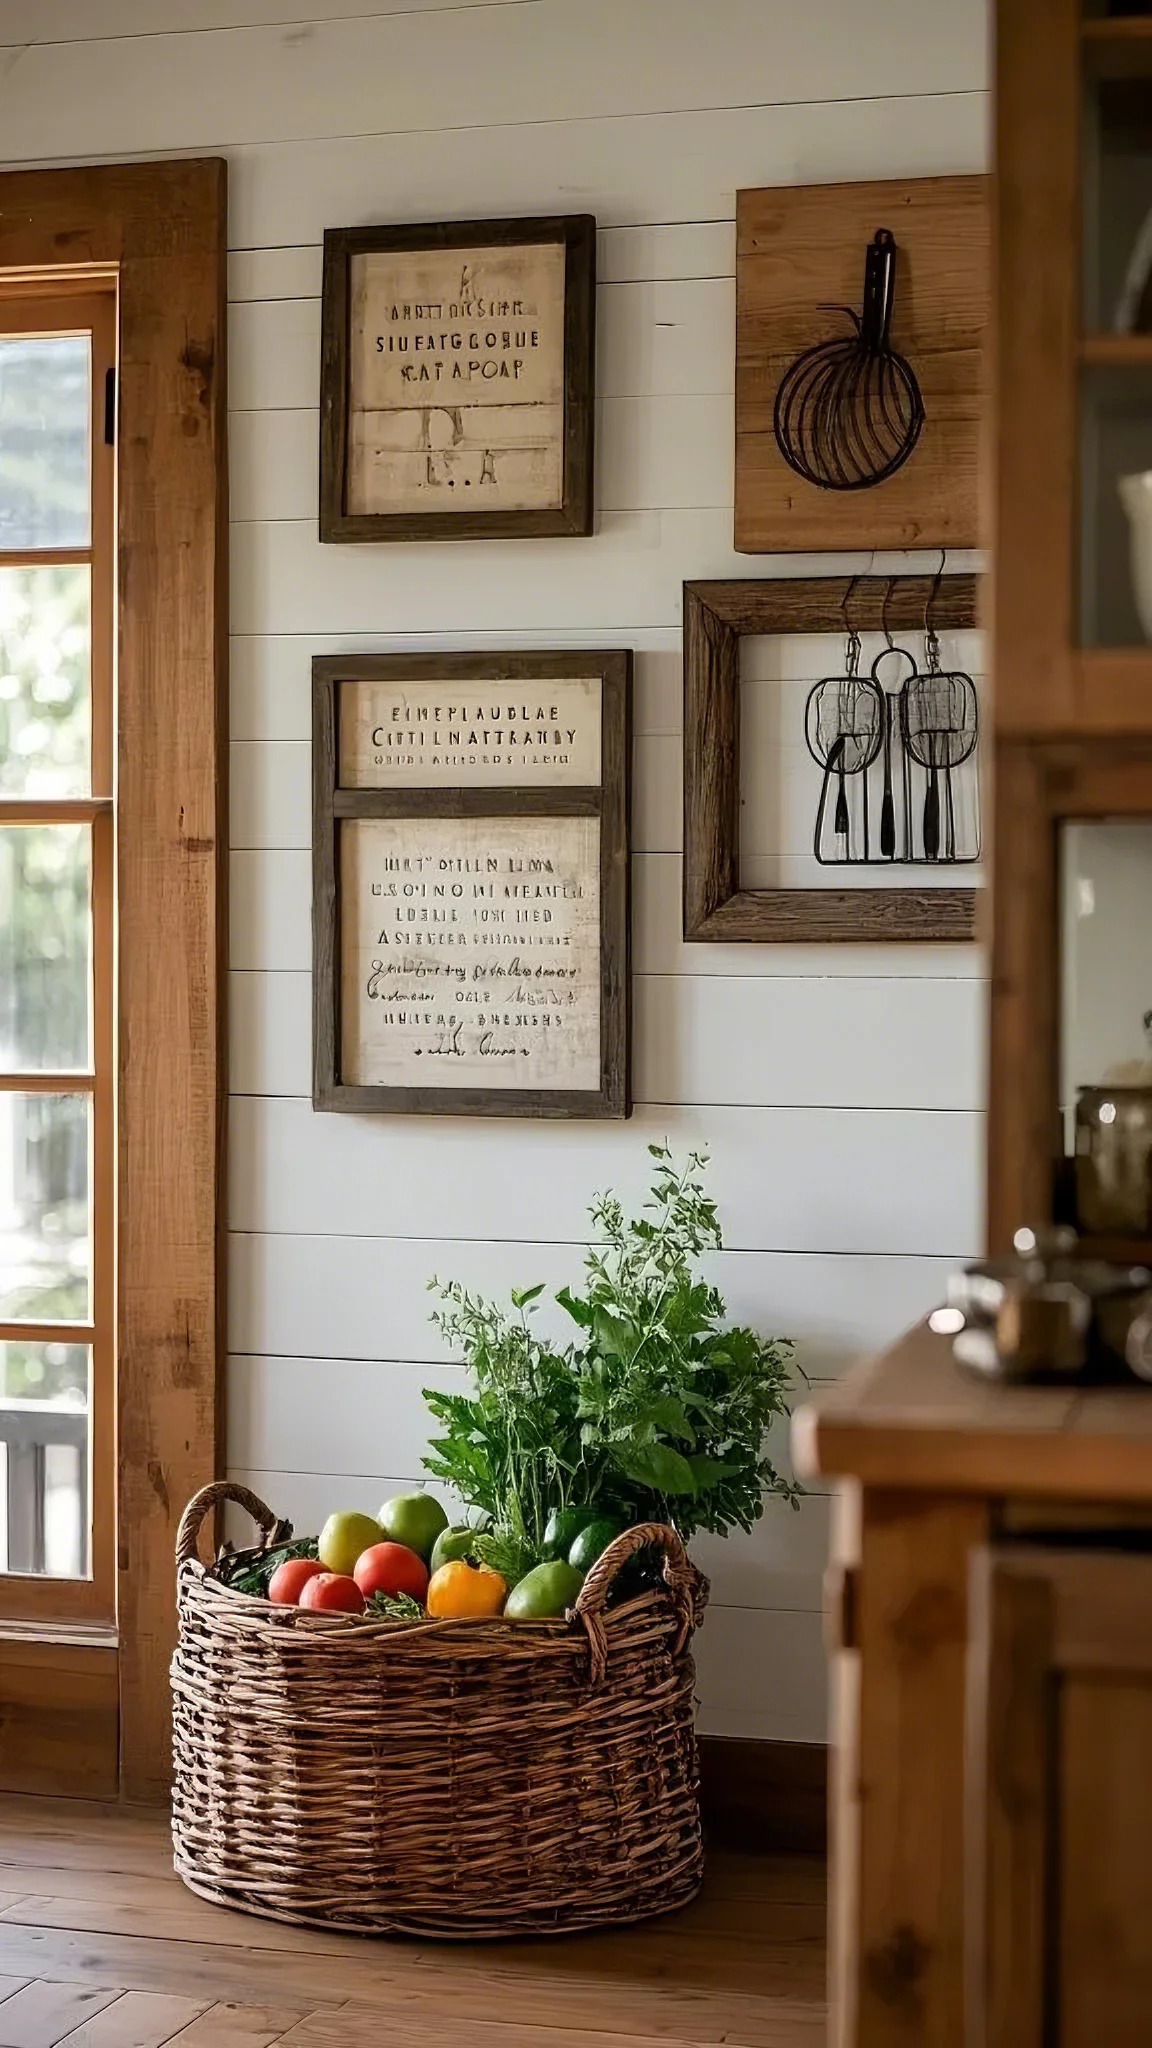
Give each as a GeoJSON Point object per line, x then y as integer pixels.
{"type": "Point", "coordinates": [848, 412]}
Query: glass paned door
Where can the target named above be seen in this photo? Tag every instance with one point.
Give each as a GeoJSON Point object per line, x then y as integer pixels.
{"type": "Point", "coordinates": [57, 957]}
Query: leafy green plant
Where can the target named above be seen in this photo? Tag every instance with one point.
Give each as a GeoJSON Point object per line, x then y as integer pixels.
{"type": "Point", "coordinates": [395, 1606]}
{"type": "Point", "coordinates": [657, 1409]}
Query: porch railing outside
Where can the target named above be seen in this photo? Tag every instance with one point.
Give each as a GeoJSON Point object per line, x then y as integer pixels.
{"type": "Point", "coordinates": [44, 1527]}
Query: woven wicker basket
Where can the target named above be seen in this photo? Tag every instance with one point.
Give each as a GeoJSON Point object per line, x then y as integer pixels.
{"type": "Point", "coordinates": [461, 1779]}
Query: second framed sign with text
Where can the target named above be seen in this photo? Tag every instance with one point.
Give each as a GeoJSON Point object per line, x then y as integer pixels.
{"type": "Point", "coordinates": [456, 398]}
{"type": "Point", "coordinates": [470, 883]}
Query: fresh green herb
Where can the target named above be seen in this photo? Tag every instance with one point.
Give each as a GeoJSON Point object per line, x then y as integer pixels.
{"type": "Point", "coordinates": [396, 1606]}
{"type": "Point", "coordinates": [508, 1552]}
{"type": "Point", "coordinates": [251, 1574]}
{"type": "Point", "coordinates": [657, 1410]}
{"type": "Point", "coordinates": [512, 1448]}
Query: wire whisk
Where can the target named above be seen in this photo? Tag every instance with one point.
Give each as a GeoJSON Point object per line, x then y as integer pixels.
{"type": "Point", "coordinates": [849, 412]}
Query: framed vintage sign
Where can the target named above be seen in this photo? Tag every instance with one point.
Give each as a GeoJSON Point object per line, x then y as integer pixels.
{"type": "Point", "coordinates": [457, 375]}
{"type": "Point", "coordinates": [470, 883]}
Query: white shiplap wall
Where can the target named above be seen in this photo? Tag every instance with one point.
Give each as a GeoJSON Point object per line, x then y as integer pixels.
{"type": "Point", "coordinates": [839, 1092]}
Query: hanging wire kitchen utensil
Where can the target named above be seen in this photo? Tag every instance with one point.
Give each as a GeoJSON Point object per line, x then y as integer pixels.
{"type": "Point", "coordinates": [848, 412]}
{"type": "Point", "coordinates": [893, 746]}
{"type": "Point", "coordinates": [940, 728]}
{"type": "Point", "coordinates": [843, 727]}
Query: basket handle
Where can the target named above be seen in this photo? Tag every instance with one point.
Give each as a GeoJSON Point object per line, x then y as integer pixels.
{"type": "Point", "coordinates": [688, 1587]}
{"type": "Point", "coordinates": [201, 1505]}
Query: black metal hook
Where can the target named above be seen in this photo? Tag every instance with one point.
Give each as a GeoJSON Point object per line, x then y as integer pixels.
{"type": "Point", "coordinates": [852, 643]}
{"type": "Point", "coordinates": [931, 638]}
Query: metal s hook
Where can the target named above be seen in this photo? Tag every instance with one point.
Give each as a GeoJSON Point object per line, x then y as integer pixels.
{"type": "Point", "coordinates": [852, 641]}
{"type": "Point", "coordinates": [931, 639]}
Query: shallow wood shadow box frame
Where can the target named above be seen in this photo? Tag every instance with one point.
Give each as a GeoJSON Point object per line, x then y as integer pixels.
{"type": "Point", "coordinates": [717, 616]}
{"type": "Point", "coordinates": [608, 801]}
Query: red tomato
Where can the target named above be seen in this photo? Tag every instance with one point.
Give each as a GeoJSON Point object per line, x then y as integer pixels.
{"type": "Point", "coordinates": [332, 1593]}
{"type": "Point", "coordinates": [290, 1578]}
{"type": "Point", "coordinates": [391, 1568]}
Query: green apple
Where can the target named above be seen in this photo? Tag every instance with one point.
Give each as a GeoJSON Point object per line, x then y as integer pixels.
{"type": "Point", "coordinates": [343, 1539]}
{"type": "Point", "coordinates": [414, 1519]}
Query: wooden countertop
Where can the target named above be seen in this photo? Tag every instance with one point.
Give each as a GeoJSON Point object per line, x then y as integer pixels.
{"type": "Point", "coordinates": [912, 1419]}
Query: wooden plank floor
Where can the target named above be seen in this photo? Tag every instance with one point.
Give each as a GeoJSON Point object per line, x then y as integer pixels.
{"type": "Point", "coordinates": [101, 1947]}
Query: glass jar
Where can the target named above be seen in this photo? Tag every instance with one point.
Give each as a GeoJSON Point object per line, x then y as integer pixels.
{"type": "Point", "coordinates": [1114, 1160]}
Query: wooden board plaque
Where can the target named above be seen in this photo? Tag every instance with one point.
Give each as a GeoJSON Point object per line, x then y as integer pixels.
{"type": "Point", "coordinates": [470, 868]}
{"type": "Point", "coordinates": [800, 254]}
{"type": "Point", "coordinates": [457, 380]}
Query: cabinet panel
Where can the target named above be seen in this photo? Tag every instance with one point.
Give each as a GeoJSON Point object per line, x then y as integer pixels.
{"type": "Point", "coordinates": [1105, 1867]}
{"type": "Point", "coordinates": [1058, 1840]}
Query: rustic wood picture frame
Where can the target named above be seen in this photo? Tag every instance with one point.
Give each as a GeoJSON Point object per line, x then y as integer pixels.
{"type": "Point", "coordinates": [609, 801]}
{"type": "Point", "coordinates": [574, 515]}
{"type": "Point", "coordinates": [717, 616]}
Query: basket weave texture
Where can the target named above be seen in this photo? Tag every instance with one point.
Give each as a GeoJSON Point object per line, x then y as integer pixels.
{"type": "Point", "coordinates": [458, 1779]}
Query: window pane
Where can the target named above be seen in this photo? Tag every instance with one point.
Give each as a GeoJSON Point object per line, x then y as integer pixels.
{"type": "Point", "coordinates": [43, 1207]}
{"type": "Point", "coordinates": [45, 1514]}
{"type": "Point", "coordinates": [45, 662]}
{"type": "Point", "coordinates": [45, 943]}
{"type": "Point", "coordinates": [45, 414]}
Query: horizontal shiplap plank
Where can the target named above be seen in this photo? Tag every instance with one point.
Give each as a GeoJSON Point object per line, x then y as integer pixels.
{"type": "Point", "coordinates": [376, 1414]}
{"type": "Point", "coordinates": [271, 926]}
{"type": "Point", "coordinates": [271, 674]}
{"type": "Point", "coordinates": [806, 657]}
{"type": "Point", "coordinates": [271, 801]}
{"type": "Point", "coordinates": [673, 167]}
{"type": "Point", "coordinates": [657, 340]}
{"type": "Point", "coordinates": [312, 1416]}
{"type": "Point", "coordinates": [652, 454]}
{"type": "Point", "coordinates": [90, 21]}
{"type": "Point", "coordinates": [328, 1414]}
{"type": "Point", "coordinates": [270, 1033]}
{"type": "Point", "coordinates": [399, 73]}
{"type": "Point", "coordinates": [367, 1298]}
{"type": "Point", "coordinates": [741, 1041]}
{"type": "Point", "coordinates": [624, 256]}
{"type": "Point", "coordinates": [306, 1499]}
{"type": "Point", "coordinates": [633, 569]}
{"type": "Point", "coordinates": [862, 1180]}
{"type": "Point", "coordinates": [763, 1676]}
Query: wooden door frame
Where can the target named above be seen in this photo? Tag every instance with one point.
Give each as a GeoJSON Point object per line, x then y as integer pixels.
{"type": "Point", "coordinates": [160, 229]}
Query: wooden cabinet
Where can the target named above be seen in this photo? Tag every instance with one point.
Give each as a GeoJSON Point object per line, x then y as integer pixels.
{"type": "Point", "coordinates": [1072, 365]}
{"type": "Point", "coordinates": [992, 1766]}
{"type": "Point", "coordinates": [1070, 607]}
{"type": "Point", "coordinates": [1059, 1798]}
